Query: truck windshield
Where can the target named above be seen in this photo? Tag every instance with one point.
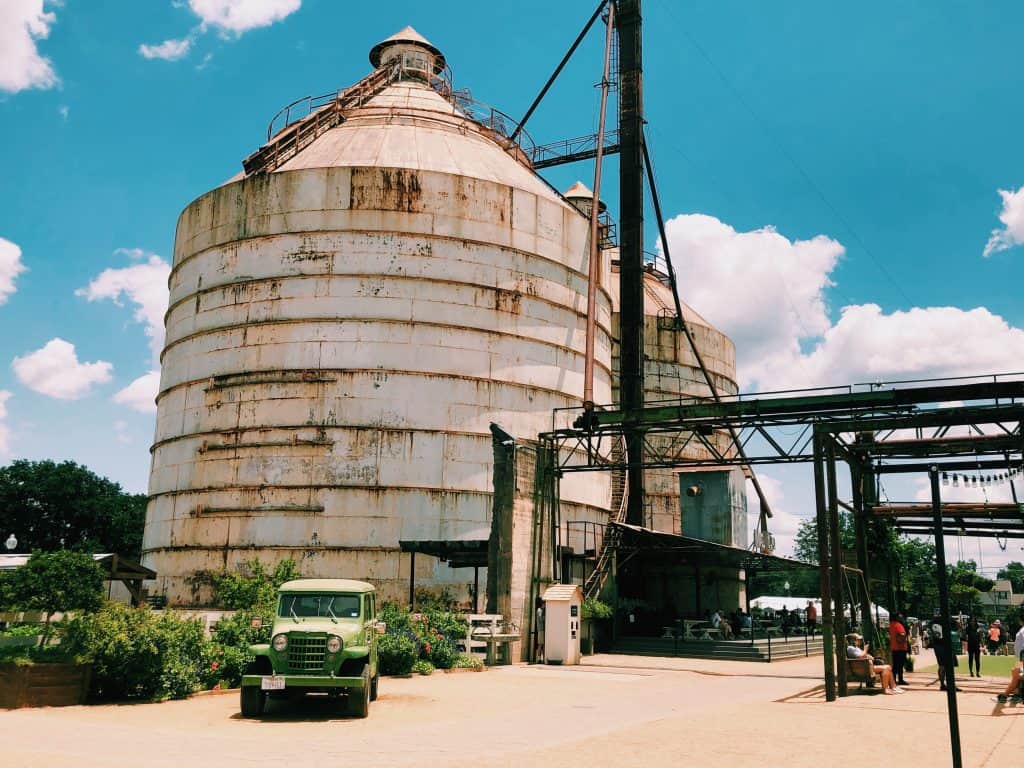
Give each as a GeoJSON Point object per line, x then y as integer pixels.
{"type": "Point", "coordinates": [310, 605]}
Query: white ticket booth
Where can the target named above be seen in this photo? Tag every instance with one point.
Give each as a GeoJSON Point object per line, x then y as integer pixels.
{"type": "Point", "coordinates": [563, 611]}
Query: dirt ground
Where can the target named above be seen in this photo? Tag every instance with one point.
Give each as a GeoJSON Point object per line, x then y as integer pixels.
{"type": "Point", "coordinates": [615, 710]}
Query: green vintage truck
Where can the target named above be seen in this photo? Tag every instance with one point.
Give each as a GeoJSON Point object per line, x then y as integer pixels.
{"type": "Point", "coordinates": [324, 640]}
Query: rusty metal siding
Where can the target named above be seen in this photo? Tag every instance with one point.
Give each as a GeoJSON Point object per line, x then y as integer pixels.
{"type": "Point", "coordinates": [338, 341]}
{"type": "Point", "coordinates": [670, 372]}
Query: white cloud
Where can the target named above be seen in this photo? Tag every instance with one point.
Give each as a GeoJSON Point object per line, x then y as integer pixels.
{"type": "Point", "coordinates": [231, 18]}
{"type": "Point", "coordinates": [140, 395]}
{"type": "Point", "coordinates": [925, 342]}
{"type": "Point", "coordinates": [56, 371]}
{"type": "Point", "coordinates": [64, 110]}
{"type": "Point", "coordinates": [144, 284]}
{"type": "Point", "coordinates": [22, 24]}
{"type": "Point", "coordinates": [1012, 217]}
{"type": "Point", "coordinates": [10, 268]}
{"type": "Point", "coordinates": [168, 50]}
{"type": "Point", "coordinates": [5, 432]}
{"type": "Point", "coordinates": [238, 16]}
{"type": "Point", "coordinates": [768, 294]}
{"type": "Point", "coordinates": [765, 291]}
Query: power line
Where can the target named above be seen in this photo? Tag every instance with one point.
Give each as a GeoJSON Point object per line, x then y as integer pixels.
{"type": "Point", "coordinates": [788, 155]}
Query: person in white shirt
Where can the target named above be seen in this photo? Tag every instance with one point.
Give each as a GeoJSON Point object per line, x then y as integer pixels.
{"type": "Point", "coordinates": [855, 651]}
{"type": "Point", "coordinates": [1018, 669]}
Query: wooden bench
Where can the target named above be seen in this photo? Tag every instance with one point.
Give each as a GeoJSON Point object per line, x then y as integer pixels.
{"type": "Point", "coordinates": [859, 670]}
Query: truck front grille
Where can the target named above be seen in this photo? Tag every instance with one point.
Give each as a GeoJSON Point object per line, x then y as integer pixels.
{"type": "Point", "coordinates": [306, 654]}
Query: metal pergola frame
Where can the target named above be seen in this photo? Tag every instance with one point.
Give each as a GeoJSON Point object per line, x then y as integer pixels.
{"type": "Point", "coordinates": [876, 429]}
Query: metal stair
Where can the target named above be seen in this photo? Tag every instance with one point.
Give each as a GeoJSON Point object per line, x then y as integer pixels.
{"type": "Point", "coordinates": [323, 113]}
{"type": "Point", "coordinates": [620, 495]}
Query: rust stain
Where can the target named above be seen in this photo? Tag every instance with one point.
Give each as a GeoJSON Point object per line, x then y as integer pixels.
{"type": "Point", "coordinates": [387, 189]}
{"type": "Point", "coordinates": [508, 301]}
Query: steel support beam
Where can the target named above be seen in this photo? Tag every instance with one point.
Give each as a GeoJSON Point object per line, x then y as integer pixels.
{"type": "Point", "coordinates": [824, 570]}
{"type": "Point", "coordinates": [631, 242]}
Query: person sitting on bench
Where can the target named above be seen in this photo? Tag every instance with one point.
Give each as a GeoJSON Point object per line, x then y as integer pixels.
{"type": "Point", "coordinates": [1013, 689]}
{"type": "Point", "coordinates": [854, 652]}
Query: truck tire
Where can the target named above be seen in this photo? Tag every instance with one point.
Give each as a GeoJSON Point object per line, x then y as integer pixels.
{"type": "Point", "coordinates": [359, 698]}
{"type": "Point", "coordinates": [376, 679]}
{"type": "Point", "coordinates": [253, 701]}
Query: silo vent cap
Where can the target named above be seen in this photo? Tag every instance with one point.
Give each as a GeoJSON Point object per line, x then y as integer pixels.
{"type": "Point", "coordinates": [407, 36]}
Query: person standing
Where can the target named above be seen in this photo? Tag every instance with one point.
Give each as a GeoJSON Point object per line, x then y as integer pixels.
{"type": "Point", "coordinates": [974, 647]}
{"type": "Point", "coordinates": [899, 647]}
{"type": "Point", "coordinates": [812, 618]}
{"type": "Point", "coordinates": [993, 638]}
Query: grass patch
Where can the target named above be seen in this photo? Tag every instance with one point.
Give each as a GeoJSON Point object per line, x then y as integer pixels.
{"type": "Point", "coordinates": [996, 666]}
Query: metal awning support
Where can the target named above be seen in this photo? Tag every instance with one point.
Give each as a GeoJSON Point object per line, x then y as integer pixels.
{"type": "Point", "coordinates": [458, 553]}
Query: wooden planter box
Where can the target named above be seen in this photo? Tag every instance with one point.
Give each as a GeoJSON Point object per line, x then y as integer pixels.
{"type": "Point", "coordinates": [43, 685]}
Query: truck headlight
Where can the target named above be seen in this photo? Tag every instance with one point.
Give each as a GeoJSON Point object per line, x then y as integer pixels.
{"type": "Point", "coordinates": [280, 642]}
{"type": "Point", "coordinates": [333, 644]}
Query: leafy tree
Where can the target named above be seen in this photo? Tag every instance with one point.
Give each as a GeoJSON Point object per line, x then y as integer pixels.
{"type": "Point", "coordinates": [57, 581]}
{"type": "Point", "coordinates": [252, 588]}
{"type": "Point", "coordinates": [51, 506]}
{"type": "Point", "coordinates": [805, 545]}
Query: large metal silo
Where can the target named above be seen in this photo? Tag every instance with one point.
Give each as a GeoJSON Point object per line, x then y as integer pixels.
{"type": "Point", "coordinates": [671, 372]}
{"type": "Point", "coordinates": [346, 320]}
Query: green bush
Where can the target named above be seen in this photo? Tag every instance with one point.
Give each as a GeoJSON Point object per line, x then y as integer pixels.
{"type": "Point", "coordinates": [251, 587]}
{"type": "Point", "coordinates": [238, 630]}
{"type": "Point", "coordinates": [137, 654]}
{"type": "Point", "coordinates": [596, 609]}
{"type": "Point", "coordinates": [396, 653]}
{"type": "Point", "coordinates": [435, 600]}
{"type": "Point", "coordinates": [422, 667]}
{"type": "Point", "coordinates": [466, 661]}
{"type": "Point", "coordinates": [22, 630]}
{"type": "Point", "coordinates": [443, 654]}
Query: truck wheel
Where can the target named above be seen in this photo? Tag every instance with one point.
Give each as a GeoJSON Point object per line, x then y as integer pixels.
{"type": "Point", "coordinates": [253, 700]}
{"type": "Point", "coordinates": [376, 679]}
{"type": "Point", "coordinates": [359, 698]}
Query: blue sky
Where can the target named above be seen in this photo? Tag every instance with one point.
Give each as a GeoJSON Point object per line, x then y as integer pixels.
{"type": "Point", "coordinates": [832, 172]}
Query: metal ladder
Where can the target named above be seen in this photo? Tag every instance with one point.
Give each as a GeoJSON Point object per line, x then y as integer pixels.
{"type": "Point", "coordinates": [296, 136]}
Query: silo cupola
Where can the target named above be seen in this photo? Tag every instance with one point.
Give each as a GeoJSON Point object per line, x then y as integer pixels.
{"type": "Point", "coordinates": [417, 57]}
{"type": "Point", "coordinates": [582, 199]}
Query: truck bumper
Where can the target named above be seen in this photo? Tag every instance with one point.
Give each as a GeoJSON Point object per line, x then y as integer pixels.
{"type": "Point", "coordinates": [308, 682]}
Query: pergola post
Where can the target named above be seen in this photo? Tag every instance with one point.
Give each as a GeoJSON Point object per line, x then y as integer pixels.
{"type": "Point", "coordinates": [412, 581]}
{"type": "Point", "coordinates": [837, 563]}
{"type": "Point", "coordinates": [857, 479]}
{"type": "Point", "coordinates": [946, 647]}
{"type": "Point", "coordinates": [824, 572]}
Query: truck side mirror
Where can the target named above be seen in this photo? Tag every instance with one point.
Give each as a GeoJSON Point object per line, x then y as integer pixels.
{"type": "Point", "coordinates": [381, 627]}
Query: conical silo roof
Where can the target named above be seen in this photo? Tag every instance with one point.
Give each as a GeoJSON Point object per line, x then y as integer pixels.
{"type": "Point", "coordinates": [408, 36]}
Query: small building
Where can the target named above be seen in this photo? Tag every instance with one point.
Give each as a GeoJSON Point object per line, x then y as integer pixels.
{"type": "Point", "coordinates": [1000, 599]}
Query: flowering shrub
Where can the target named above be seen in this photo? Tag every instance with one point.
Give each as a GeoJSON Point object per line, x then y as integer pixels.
{"type": "Point", "coordinates": [431, 634]}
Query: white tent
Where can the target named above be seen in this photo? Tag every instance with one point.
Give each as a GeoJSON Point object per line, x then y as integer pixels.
{"type": "Point", "coordinates": [778, 603]}
{"type": "Point", "coordinates": [800, 604]}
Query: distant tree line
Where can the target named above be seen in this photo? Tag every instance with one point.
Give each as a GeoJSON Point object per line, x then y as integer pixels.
{"type": "Point", "coordinates": [914, 571]}
{"type": "Point", "coordinates": [50, 506]}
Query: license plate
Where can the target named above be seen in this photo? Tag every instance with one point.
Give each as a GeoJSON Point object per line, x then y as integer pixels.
{"type": "Point", "coordinates": [272, 683]}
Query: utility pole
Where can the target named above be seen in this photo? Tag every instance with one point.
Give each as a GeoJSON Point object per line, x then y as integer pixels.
{"type": "Point", "coordinates": [631, 242]}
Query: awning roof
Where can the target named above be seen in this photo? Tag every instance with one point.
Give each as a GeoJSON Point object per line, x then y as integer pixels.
{"type": "Point", "coordinates": [698, 552]}
{"type": "Point", "coordinates": [114, 566]}
{"type": "Point", "coordinates": [464, 553]}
